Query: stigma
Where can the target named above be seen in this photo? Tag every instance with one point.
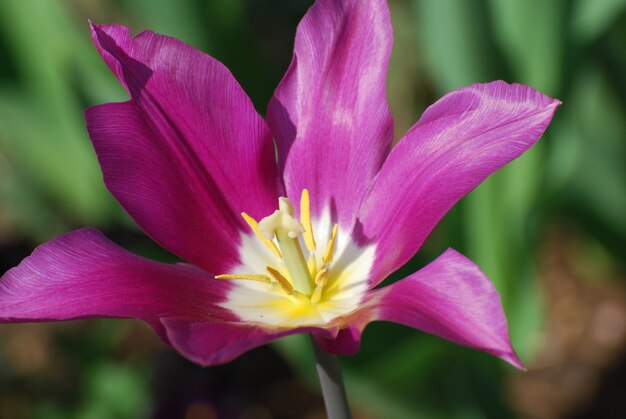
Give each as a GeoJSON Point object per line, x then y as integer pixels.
{"type": "Point", "coordinates": [300, 274]}
{"type": "Point", "coordinates": [282, 221]}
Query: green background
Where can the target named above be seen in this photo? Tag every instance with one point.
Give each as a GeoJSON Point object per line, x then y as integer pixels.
{"type": "Point", "coordinates": [549, 229]}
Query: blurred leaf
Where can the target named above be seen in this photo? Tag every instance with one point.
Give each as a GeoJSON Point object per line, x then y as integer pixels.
{"type": "Point", "coordinates": [179, 19]}
{"type": "Point", "coordinates": [415, 353]}
{"type": "Point", "coordinates": [405, 77]}
{"type": "Point", "coordinates": [45, 136]}
{"type": "Point", "coordinates": [565, 150]}
{"type": "Point", "coordinates": [383, 403]}
{"type": "Point", "coordinates": [591, 18]}
{"type": "Point", "coordinates": [483, 228]}
{"type": "Point", "coordinates": [114, 391]}
{"type": "Point", "coordinates": [532, 35]}
{"type": "Point", "coordinates": [526, 312]}
{"type": "Point", "coordinates": [456, 42]}
{"type": "Point", "coordinates": [297, 351]}
{"type": "Point", "coordinates": [598, 127]}
{"type": "Point", "coordinates": [48, 410]}
{"type": "Point", "coordinates": [23, 211]}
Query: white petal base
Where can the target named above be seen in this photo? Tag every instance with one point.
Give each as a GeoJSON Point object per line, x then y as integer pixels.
{"type": "Point", "coordinates": [267, 304]}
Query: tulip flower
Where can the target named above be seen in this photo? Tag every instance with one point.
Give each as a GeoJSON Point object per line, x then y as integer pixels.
{"type": "Point", "coordinates": [286, 224]}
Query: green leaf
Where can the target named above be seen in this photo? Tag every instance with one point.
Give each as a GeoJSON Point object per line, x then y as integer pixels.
{"type": "Point", "coordinates": [592, 18]}
{"type": "Point", "coordinates": [114, 391]}
{"type": "Point", "coordinates": [456, 42]}
{"type": "Point", "coordinates": [44, 135]}
{"type": "Point", "coordinates": [532, 35]}
{"type": "Point", "coordinates": [597, 127]}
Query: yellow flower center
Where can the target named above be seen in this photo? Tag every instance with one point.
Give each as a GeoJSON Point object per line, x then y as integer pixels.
{"type": "Point", "coordinates": [301, 279]}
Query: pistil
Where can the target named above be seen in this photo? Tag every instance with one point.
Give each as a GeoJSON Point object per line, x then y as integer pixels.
{"type": "Point", "coordinates": [283, 225]}
{"type": "Point", "coordinates": [295, 262]}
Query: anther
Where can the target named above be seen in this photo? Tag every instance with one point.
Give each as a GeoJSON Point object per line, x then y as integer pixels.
{"type": "Point", "coordinates": [322, 277]}
{"type": "Point", "coordinates": [280, 280]}
{"type": "Point", "coordinates": [305, 219]}
{"type": "Point", "coordinates": [330, 248]}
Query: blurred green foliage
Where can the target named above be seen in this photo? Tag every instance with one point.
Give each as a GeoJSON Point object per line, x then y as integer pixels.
{"type": "Point", "coordinates": [574, 50]}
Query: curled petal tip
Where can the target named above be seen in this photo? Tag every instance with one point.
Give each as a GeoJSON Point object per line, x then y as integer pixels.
{"type": "Point", "coordinates": [512, 358]}
{"type": "Point", "coordinates": [453, 299]}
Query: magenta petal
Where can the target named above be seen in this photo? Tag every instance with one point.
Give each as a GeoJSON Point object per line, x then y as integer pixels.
{"type": "Point", "coordinates": [453, 299]}
{"type": "Point", "coordinates": [347, 341]}
{"type": "Point", "coordinates": [458, 142]}
{"type": "Point", "coordinates": [450, 298]}
{"type": "Point", "coordinates": [213, 343]}
{"type": "Point", "coordinates": [188, 153]}
{"type": "Point", "coordinates": [329, 114]}
{"type": "Point", "coordinates": [83, 274]}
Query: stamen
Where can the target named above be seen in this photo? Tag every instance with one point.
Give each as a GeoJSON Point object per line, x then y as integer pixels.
{"type": "Point", "coordinates": [330, 247]}
{"type": "Point", "coordinates": [280, 280]}
{"type": "Point", "coordinates": [305, 219]}
{"type": "Point", "coordinates": [322, 277]}
{"type": "Point", "coordinates": [250, 277]}
{"type": "Point", "coordinates": [255, 228]}
{"type": "Point", "coordinates": [320, 280]}
{"type": "Point", "coordinates": [312, 264]}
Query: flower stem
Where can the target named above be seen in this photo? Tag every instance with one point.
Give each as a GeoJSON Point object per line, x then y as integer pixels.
{"type": "Point", "coordinates": [331, 382]}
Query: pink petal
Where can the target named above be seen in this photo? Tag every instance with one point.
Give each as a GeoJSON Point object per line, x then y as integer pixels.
{"type": "Point", "coordinates": [458, 142]}
{"type": "Point", "coordinates": [213, 343]}
{"type": "Point", "coordinates": [347, 341]}
{"type": "Point", "coordinates": [450, 298]}
{"type": "Point", "coordinates": [83, 274]}
{"type": "Point", "coordinates": [329, 115]}
{"type": "Point", "coordinates": [188, 153]}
